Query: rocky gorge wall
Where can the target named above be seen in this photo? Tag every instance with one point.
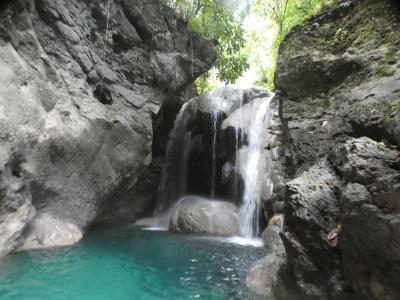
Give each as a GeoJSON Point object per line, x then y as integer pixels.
{"type": "Point", "coordinates": [339, 81]}
{"type": "Point", "coordinates": [81, 85]}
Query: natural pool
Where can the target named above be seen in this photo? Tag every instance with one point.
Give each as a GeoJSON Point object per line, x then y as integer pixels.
{"type": "Point", "coordinates": [130, 263]}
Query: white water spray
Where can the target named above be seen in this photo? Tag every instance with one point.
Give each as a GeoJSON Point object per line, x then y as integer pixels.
{"type": "Point", "coordinates": [174, 175]}
{"type": "Point", "coordinates": [254, 169]}
{"type": "Point", "coordinates": [238, 141]}
{"type": "Point", "coordinates": [214, 120]}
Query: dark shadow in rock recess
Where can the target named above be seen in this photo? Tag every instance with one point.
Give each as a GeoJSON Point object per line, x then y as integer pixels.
{"type": "Point", "coordinates": [103, 94]}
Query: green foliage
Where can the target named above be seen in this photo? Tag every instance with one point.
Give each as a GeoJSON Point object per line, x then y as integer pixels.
{"type": "Point", "coordinates": [246, 39]}
{"type": "Point", "coordinates": [221, 22]}
{"type": "Point", "coordinates": [285, 14]}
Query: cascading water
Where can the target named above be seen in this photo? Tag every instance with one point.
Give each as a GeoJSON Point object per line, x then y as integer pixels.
{"type": "Point", "coordinates": [257, 162]}
{"type": "Point", "coordinates": [214, 121]}
{"type": "Point", "coordinates": [174, 175]}
{"type": "Point", "coordinates": [238, 141]}
{"type": "Point", "coordinates": [251, 120]}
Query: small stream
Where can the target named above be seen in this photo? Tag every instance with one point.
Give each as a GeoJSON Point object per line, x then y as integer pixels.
{"type": "Point", "coordinates": [134, 264]}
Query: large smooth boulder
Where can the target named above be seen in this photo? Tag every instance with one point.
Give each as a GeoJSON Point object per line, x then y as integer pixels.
{"type": "Point", "coordinates": [77, 103]}
{"type": "Point", "coordinates": [202, 216]}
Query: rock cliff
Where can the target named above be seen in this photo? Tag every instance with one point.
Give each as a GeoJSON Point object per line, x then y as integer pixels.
{"type": "Point", "coordinates": [339, 77]}
{"type": "Point", "coordinates": [81, 85]}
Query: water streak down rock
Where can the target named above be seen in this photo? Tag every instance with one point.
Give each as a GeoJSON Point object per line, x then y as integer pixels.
{"type": "Point", "coordinates": [174, 174]}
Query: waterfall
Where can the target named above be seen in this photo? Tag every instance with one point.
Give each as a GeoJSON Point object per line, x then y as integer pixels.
{"type": "Point", "coordinates": [174, 175]}
{"type": "Point", "coordinates": [257, 162]}
{"type": "Point", "coordinates": [251, 120]}
{"type": "Point", "coordinates": [238, 141]}
{"type": "Point", "coordinates": [214, 121]}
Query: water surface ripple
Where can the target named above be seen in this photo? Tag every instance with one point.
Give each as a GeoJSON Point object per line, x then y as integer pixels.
{"type": "Point", "coordinates": [131, 264]}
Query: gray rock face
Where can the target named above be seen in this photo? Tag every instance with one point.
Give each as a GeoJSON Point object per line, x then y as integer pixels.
{"type": "Point", "coordinates": [370, 216]}
{"type": "Point", "coordinates": [360, 100]}
{"type": "Point", "coordinates": [311, 214]}
{"type": "Point", "coordinates": [264, 274]}
{"type": "Point", "coordinates": [202, 216]}
{"type": "Point", "coordinates": [271, 235]}
{"type": "Point", "coordinates": [79, 85]}
{"type": "Point", "coordinates": [339, 76]}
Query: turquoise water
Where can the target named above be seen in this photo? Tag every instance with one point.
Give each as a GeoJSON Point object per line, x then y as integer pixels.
{"type": "Point", "coordinates": [130, 264]}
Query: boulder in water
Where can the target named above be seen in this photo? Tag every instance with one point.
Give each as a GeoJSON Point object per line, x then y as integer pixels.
{"type": "Point", "coordinates": [263, 275]}
{"type": "Point", "coordinates": [271, 239]}
{"type": "Point", "coordinates": [199, 215]}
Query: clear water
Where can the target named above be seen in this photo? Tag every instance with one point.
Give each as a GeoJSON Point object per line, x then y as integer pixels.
{"type": "Point", "coordinates": [131, 264]}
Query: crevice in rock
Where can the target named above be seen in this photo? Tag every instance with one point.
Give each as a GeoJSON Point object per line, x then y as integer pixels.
{"type": "Point", "coordinates": [374, 132]}
{"type": "Point", "coordinates": [103, 94]}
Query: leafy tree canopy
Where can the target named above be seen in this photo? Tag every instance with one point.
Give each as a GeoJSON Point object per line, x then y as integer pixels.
{"type": "Point", "coordinates": [246, 36]}
{"type": "Point", "coordinates": [284, 14]}
{"type": "Point", "coordinates": [220, 21]}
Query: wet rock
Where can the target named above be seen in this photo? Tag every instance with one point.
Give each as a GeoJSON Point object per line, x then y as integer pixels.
{"type": "Point", "coordinates": [311, 213]}
{"type": "Point", "coordinates": [263, 275]}
{"type": "Point", "coordinates": [271, 235]}
{"type": "Point", "coordinates": [202, 216]}
{"type": "Point", "coordinates": [77, 104]}
{"type": "Point", "coordinates": [147, 222]}
{"type": "Point", "coordinates": [203, 147]}
{"type": "Point", "coordinates": [46, 231]}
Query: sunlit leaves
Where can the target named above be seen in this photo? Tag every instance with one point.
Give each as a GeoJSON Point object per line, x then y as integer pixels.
{"type": "Point", "coordinates": [220, 21]}
{"type": "Point", "coordinates": [285, 14]}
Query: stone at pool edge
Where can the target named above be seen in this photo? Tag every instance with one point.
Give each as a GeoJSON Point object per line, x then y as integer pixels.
{"type": "Point", "coordinates": [199, 215]}
{"type": "Point", "coordinates": [263, 276]}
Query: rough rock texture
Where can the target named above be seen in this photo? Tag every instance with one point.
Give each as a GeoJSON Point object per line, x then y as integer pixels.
{"type": "Point", "coordinates": [339, 78]}
{"type": "Point", "coordinates": [271, 234]}
{"type": "Point", "coordinates": [194, 214]}
{"type": "Point", "coordinates": [370, 216]}
{"type": "Point", "coordinates": [263, 275]}
{"type": "Point", "coordinates": [311, 212]}
{"type": "Point", "coordinates": [80, 85]}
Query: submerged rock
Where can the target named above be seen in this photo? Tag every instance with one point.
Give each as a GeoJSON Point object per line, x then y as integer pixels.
{"type": "Point", "coordinates": [203, 216]}
{"type": "Point", "coordinates": [263, 275]}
